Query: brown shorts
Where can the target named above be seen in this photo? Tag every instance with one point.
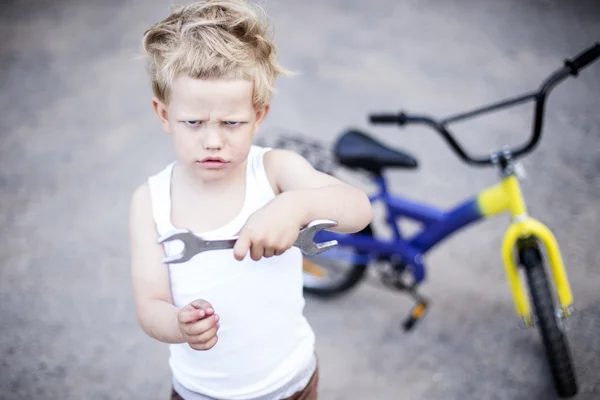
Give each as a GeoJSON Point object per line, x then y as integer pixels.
{"type": "Point", "coordinates": [308, 393]}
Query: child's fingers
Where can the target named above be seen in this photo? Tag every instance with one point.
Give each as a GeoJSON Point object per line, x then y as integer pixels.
{"type": "Point", "coordinates": [203, 305]}
{"type": "Point", "coordinates": [269, 252]}
{"type": "Point", "coordinates": [205, 336]}
{"type": "Point", "coordinates": [242, 245]}
{"type": "Point", "coordinates": [256, 251]}
{"type": "Point", "coordinates": [189, 314]}
{"type": "Point", "coordinates": [203, 325]}
{"type": "Point", "coordinates": [194, 311]}
{"type": "Point", "coordinates": [205, 346]}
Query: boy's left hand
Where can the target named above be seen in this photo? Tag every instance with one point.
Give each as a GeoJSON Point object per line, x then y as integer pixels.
{"type": "Point", "coordinates": [271, 230]}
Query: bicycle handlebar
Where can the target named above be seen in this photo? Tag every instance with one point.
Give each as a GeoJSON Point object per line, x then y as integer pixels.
{"type": "Point", "coordinates": [584, 59]}
{"type": "Point", "coordinates": [571, 67]}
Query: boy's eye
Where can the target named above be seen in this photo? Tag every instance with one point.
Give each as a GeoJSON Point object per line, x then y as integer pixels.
{"type": "Point", "coordinates": [193, 123]}
{"type": "Point", "coordinates": [233, 123]}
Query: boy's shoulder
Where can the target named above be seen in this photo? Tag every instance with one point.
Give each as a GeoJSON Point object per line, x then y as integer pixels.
{"type": "Point", "coordinates": [285, 159]}
{"type": "Point", "coordinates": [288, 170]}
{"type": "Point", "coordinates": [141, 195]}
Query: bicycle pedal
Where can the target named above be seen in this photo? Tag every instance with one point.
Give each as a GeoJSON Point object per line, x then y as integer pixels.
{"type": "Point", "coordinates": [416, 314]}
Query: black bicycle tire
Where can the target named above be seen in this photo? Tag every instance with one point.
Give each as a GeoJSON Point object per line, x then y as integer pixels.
{"type": "Point", "coordinates": [553, 338]}
{"type": "Point", "coordinates": [355, 274]}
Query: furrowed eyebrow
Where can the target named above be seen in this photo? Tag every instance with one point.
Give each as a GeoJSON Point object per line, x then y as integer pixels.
{"type": "Point", "coordinates": [191, 117]}
{"type": "Point", "coordinates": [226, 118]}
{"type": "Point", "coordinates": [234, 118]}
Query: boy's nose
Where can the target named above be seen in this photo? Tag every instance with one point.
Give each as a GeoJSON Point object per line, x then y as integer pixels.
{"type": "Point", "coordinates": [213, 139]}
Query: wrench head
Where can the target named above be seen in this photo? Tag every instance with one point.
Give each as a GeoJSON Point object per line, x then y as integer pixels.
{"type": "Point", "coordinates": [189, 240]}
{"type": "Point", "coordinates": [319, 225]}
{"type": "Point", "coordinates": [307, 235]}
{"type": "Point", "coordinates": [317, 248]}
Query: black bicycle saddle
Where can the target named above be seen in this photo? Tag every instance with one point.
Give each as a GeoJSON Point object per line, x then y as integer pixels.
{"type": "Point", "coordinates": [358, 150]}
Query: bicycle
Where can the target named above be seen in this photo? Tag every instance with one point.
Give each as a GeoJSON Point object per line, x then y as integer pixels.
{"type": "Point", "coordinates": [525, 243]}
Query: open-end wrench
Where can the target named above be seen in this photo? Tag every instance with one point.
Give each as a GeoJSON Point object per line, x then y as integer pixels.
{"type": "Point", "coordinates": [194, 244]}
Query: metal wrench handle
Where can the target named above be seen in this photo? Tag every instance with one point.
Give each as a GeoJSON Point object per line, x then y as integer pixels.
{"type": "Point", "coordinates": [194, 244]}
{"type": "Point", "coordinates": [220, 244]}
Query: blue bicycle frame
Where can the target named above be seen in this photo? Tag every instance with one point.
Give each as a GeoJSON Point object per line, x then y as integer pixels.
{"type": "Point", "coordinates": [437, 225]}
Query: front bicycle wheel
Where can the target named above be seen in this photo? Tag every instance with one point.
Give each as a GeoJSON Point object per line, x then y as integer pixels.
{"type": "Point", "coordinates": [549, 323]}
{"type": "Point", "coordinates": [335, 271]}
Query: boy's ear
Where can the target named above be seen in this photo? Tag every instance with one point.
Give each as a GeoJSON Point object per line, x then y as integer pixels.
{"type": "Point", "coordinates": [261, 114]}
{"type": "Point", "coordinates": [161, 112]}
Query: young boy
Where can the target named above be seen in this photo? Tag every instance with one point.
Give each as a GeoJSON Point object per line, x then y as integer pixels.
{"type": "Point", "coordinates": [233, 318]}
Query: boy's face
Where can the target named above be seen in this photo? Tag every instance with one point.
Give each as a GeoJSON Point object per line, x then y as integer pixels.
{"type": "Point", "coordinates": [212, 123]}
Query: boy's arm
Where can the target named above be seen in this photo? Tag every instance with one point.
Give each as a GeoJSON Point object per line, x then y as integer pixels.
{"type": "Point", "coordinates": [156, 313]}
{"type": "Point", "coordinates": [316, 195]}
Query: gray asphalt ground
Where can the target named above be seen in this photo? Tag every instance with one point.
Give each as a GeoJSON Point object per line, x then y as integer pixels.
{"type": "Point", "coordinates": [77, 134]}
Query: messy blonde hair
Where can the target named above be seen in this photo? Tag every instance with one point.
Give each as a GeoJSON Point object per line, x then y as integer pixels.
{"type": "Point", "coordinates": [213, 39]}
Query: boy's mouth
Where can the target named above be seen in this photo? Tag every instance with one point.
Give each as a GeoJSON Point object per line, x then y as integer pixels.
{"type": "Point", "coordinates": [213, 162]}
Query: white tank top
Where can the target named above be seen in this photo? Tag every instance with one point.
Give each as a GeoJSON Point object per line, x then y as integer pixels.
{"type": "Point", "coordinates": [265, 342]}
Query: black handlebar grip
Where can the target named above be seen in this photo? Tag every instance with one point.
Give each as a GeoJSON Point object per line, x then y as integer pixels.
{"type": "Point", "coordinates": [383, 118]}
{"type": "Point", "coordinates": [583, 59]}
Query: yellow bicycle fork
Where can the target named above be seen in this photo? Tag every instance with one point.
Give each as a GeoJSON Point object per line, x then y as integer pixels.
{"type": "Point", "coordinates": [507, 196]}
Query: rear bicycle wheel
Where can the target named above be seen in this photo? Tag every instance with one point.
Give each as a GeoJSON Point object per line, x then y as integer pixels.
{"type": "Point", "coordinates": [549, 323]}
{"type": "Point", "coordinates": [335, 271]}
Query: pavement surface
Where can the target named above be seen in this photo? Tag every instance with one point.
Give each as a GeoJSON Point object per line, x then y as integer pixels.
{"type": "Point", "coordinates": [77, 134]}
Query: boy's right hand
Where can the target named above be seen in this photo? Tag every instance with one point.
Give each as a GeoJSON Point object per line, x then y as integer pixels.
{"type": "Point", "coordinates": [199, 324]}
